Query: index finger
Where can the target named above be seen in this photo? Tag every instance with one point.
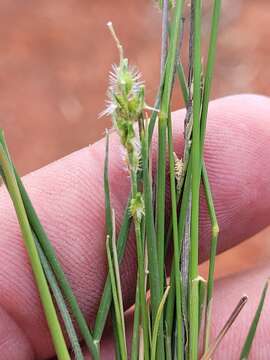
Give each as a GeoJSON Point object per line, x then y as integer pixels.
{"type": "Point", "coordinates": [68, 196]}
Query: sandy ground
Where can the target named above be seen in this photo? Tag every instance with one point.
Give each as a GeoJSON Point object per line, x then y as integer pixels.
{"type": "Point", "coordinates": [55, 56]}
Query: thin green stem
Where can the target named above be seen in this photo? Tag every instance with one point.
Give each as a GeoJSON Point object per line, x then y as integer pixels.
{"type": "Point", "coordinates": [253, 327]}
{"type": "Point", "coordinates": [118, 281]}
{"type": "Point", "coordinates": [107, 292]}
{"type": "Point", "coordinates": [60, 301]}
{"type": "Point", "coordinates": [106, 298]}
{"type": "Point", "coordinates": [161, 166]}
{"type": "Point", "coordinates": [182, 81]}
{"type": "Point", "coordinates": [160, 196]}
{"type": "Point", "coordinates": [117, 351]}
{"type": "Point", "coordinates": [120, 337]}
{"type": "Point", "coordinates": [136, 323]}
{"type": "Point", "coordinates": [59, 273]}
{"type": "Point", "coordinates": [164, 36]}
{"type": "Point", "coordinates": [195, 190]}
{"type": "Point", "coordinates": [156, 324]}
{"type": "Point", "coordinates": [155, 288]}
{"type": "Point", "coordinates": [209, 198]}
{"type": "Point", "coordinates": [51, 256]}
{"type": "Point", "coordinates": [202, 299]}
{"type": "Point", "coordinates": [176, 260]}
{"type": "Point", "coordinates": [181, 228]}
{"type": "Point", "coordinates": [213, 251]}
{"type": "Point", "coordinates": [210, 67]}
{"type": "Point", "coordinates": [154, 114]}
{"type": "Point", "coordinates": [168, 344]}
{"type": "Point", "coordinates": [108, 208]}
{"type": "Point", "coordinates": [211, 208]}
{"type": "Point", "coordinates": [141, 270]}
{"type": "Point", "coordinates": [163, 118]}
{"type": "Point", "coordinates": [45, 296]}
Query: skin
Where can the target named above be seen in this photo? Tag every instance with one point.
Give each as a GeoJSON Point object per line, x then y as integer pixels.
{"type": "Point", "coordinates": [68, 196]}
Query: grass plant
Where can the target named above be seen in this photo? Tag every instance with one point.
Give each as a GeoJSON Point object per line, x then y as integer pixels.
{"type": "Point", "coordinates": [173, 303]}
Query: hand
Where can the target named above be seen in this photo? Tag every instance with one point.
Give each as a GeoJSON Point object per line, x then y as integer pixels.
{"type": "Point", "coordinates": [68, 196]}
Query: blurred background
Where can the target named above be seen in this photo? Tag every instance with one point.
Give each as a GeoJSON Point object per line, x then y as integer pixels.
{"type": "Point", "coordinates": [54, 61]}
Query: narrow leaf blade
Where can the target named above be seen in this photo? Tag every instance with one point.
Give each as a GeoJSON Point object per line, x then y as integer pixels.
{"type": "Point", "coordinates": [253, 327]}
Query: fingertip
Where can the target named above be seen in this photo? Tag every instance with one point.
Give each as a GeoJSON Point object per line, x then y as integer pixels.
{"type": "Point", "coordinates": [236, 154]}
{"type": "Point", "coordinates": [13, 342]}
{"type": "Point", "coordinates": [228, 292]}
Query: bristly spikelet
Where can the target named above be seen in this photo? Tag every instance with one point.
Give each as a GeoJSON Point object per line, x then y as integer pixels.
{"type": "Point", "coordinates": [125, 104]}
{"type": "Point", "coordinates": [136, 208]}
{"type": "Point", "coordinates": [137, 157]}
{"type": "Point", "coordinates": [178, 168]}
{"type": "Point", "coordinates": [125, 92]}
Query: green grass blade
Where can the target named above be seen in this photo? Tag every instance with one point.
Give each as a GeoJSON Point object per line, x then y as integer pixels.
{"type": "Point", "coordinates": [182, 82]}
{"type": "Point", "coordinates": [213, 252]}
{"type": "Point", "coordinates": [170, 312]}
{"type": "Point", "coordinates": [109, 232]}
{"type": "Point", "coordinates": [156, 324]}
{"type": "Point", "coordinates": [171, 59]}
{"type": "Point", "coordinates": [161, 166]}
{"type": "Point", "coordinates": [108, 209]}
{"type": "Point", "coordinates": [214, 236]}
{"type": "Point", "coordinates": [60, 301]}
{"type": "Point", "coordinates": [164, 35]}
{"type": "Point", "coordinates": [141, 264]}
{"type": "Point", "coordinates": [202, 299]}
{"type": "Point", "coordinates": [210, 66]}
{"type": "Point", "coordinates": [117, 309]}
{"type": "Point", "coordinates": [59, 273]}
{"type": "Point", "coordinates": [116, 337]}
{"type": "Point", "coordinates": [160, 196]}
{"type": "Point", "coordinates": [117, 278]}
{"type": "Point", "coordinates": [136, 323]}
{"type": "Point", "coordinates": [142, 290]}
{"type": "Point", "coordinates": [163, 117]}
{"type": "Point", "coordinates": [181, 228]}
{"type": "Point", "coordinates": [208, 193]}
{"type": "Point", "coordinates": [42, 285]}
{"type": "Point", "coordinates": [54, 263]}
{"type": "Point", "coordinates": [150, 228]}
{"type": "Point", "coordinates": [196, 177]}
{"type": "Point", "coordinates": [106, 298]}
{"type": "Point", "coordinates": [154, 114]}
{"type": "Point", "coordinates": [253, 327]}
{"type": "Point", "coordinates": [168, 344]}
{"type": "Point", "coordinates": [176, 247]}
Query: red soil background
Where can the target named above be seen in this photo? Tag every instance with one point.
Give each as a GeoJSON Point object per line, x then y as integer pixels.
{"type": "Point", "coordinates": [54, 61]}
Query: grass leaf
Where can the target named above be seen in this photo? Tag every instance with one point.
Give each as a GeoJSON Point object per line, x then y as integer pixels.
{"type": "Point", "coordinates": [202, 299]}
{"type": "Point", "coordinates": [156, 324]}
{"type": "Point", "coordinates": [49, 252]}
{"type": "Point", "coordinates": [117, 308]}
{"type": "Point", "coordinates": [253, 327]}
{"type": "Point", "coordinates": [195, 184]}
{"type": "Point", "coordinates": [60, 301]}
{"type": "Point", "coordinates": [41, 282]}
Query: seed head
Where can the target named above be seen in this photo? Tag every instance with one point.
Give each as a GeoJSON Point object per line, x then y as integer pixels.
{"type": "Point", "coordinates": [137, 207]}
{"type": "Point", "coordinates": [178, 168]}
{"type": "Point", "coordinates": [125, 103]}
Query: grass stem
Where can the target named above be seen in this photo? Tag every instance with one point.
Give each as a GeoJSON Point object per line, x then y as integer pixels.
{"type": "Point", "coordinates": [45, 296]}
{"type": "Point", "coordinates": [49, 252]}
{"type": "Point", "coordinates": [196, 176]}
